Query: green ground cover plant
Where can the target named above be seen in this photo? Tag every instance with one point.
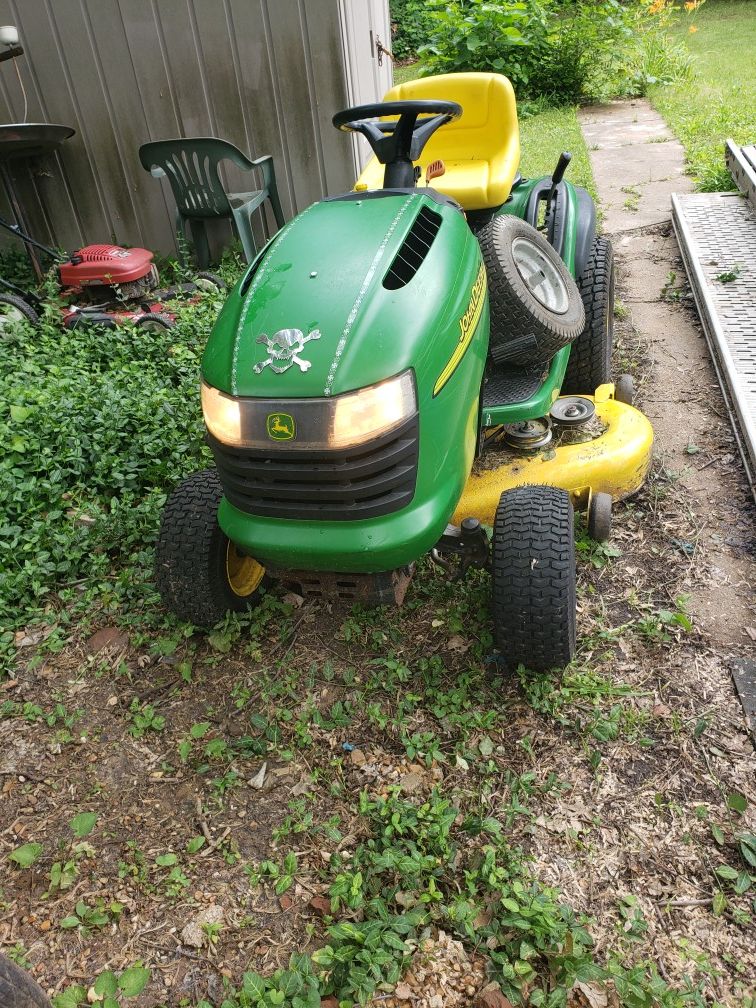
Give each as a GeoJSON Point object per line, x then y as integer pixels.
{"type": "Point", "coordinates": [96, 424]}
{"type": "Point", "coordinates": [719, 100]}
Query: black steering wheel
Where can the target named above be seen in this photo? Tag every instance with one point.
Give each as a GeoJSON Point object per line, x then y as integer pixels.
{"type": "Point", "coordinates": [399, 142]}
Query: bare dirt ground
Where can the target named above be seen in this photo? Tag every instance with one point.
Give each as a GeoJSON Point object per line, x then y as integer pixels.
{"type": "Point", "coordinates": [225, 771]}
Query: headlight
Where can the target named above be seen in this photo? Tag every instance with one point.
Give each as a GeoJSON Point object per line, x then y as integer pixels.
{"type": "Point", "coordinates": [343, 421]}
{"type": "Point", "coordinates": [361, 416]}
{"type": "Point", "coordinates": [222, 415]}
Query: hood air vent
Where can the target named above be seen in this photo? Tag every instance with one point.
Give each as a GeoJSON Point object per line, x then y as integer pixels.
{"type": "Point", "coordinates": [413, 249]}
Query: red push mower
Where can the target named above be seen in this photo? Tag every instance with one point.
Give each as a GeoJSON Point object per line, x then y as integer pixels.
{"type": "Point", "coordinates": [103, 285]}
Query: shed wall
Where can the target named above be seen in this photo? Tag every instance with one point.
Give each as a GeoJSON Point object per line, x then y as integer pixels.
{"type": "Point", "coordinates": [265, 74]}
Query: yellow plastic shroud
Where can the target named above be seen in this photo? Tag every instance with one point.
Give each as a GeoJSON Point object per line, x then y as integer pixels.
{"type": "Point", "coordinates": [616, 462]}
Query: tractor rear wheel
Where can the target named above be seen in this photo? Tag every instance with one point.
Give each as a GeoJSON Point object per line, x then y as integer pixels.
{"type": "Point", "coordinates": [199, 572]}
{"type": "Point", "coordinates": [533, 578]}
{"type": "Point", "coordinates": [590, 363]}
{"type": "Point", "coordinates": [535, 306]}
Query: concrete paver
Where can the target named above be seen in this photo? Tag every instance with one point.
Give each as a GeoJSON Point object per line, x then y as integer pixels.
{"type": "Point", "coordinates": [635, 175]}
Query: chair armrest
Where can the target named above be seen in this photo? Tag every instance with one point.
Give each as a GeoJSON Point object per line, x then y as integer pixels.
{"type": "Point", "coordinates": [265, 164]}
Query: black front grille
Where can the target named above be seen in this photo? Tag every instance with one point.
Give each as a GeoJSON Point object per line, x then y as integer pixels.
{"type": "Point", "coordinates": [374, 479]}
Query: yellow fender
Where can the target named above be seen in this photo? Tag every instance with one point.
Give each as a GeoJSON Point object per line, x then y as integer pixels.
{"type": "Point", "coordinates": [616, 462]}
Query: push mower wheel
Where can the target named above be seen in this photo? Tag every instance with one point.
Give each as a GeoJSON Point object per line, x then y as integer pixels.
{"type": "Point", "coordinates": [206, 281]}
{"type": "Point", "coordinates": [533, 578]}
{"type": "Point", "coordinates": [199, 572]}
{"type": "Point", "coordinates": [15, 309]}
{"type": "Point", "coordinates": [624, 389]}
{"type": "Point", "coordinates": [87, 319]}
{"type": "Point", "coordinates": [535, 305]}
{"type": "Point", "coordinates": [18, 989]}
{"type": "Point", "coordinates": [155, 322]}
{"type": "Point", "coordinates": [600, 516]}
{"type": "Point", "coordinates": [590, 363]}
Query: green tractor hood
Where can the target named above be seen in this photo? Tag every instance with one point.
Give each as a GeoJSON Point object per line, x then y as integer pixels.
{"type": "Point", "coordinates": [326, 308]}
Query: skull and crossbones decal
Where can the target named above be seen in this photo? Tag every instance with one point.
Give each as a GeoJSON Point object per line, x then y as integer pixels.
{"type": "Point", "coordinates": [284, 348]}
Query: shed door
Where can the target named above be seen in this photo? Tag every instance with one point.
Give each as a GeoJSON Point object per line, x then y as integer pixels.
{"type": "Point", "coordinates": [365, 24]}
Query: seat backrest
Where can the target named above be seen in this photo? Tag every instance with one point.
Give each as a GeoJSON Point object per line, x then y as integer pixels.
{"type": "Point", "coordinates": [191, 167]}
{"type": "Point", "coordinates": [488, 123]}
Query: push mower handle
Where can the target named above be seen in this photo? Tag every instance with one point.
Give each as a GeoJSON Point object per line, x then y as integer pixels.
{"type": "Point", "coordinates": [397, 144]}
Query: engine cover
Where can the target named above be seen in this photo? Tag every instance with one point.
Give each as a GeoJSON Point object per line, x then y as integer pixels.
{"type": "Point", "coordinates": [105, 264]}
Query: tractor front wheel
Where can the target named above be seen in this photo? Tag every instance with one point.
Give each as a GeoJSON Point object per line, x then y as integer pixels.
{"type": "Point", "coordinates": [533, 578]}
{"type": "Point", "coordinates": [199, 572]}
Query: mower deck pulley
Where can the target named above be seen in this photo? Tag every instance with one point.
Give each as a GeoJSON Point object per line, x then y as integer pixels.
{"type": "Point", "coordinates": [572, 411]}
{"type": "Point", "coordinates": [528, 435]}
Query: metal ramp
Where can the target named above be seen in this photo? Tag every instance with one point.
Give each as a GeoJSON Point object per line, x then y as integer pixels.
{"type": "Point", "coordinates": [717, 237]}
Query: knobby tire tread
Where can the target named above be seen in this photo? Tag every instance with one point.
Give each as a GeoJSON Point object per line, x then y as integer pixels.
{"type": "Point", "coordinates": [536, 332]}
{"type": "Point", "coordinates": [533, 582]}
{"type": "Point", "coordinates": [590, 363]}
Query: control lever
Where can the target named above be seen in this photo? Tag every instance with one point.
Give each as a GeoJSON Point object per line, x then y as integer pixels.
{"type": "Point", "coordinates": [434, 170]}
{"type": "Point", "coordinates": [564, 159]}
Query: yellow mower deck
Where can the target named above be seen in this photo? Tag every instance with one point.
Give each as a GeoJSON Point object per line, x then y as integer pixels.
{"type": "Point", "coordinates": [614, 462]}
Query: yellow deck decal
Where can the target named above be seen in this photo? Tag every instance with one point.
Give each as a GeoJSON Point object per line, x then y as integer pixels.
{"type": "Point", "coordinates": [468, 323]}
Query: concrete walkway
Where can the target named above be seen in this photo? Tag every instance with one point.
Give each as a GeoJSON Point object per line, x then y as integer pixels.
{"type": "Point", "coordinates": [637, 164]}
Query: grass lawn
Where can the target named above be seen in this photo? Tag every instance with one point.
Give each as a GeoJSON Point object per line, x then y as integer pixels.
{"type": "Point", "coordinates": [545, 135]}
{"type": "Point", "coordinates": [720, 100]}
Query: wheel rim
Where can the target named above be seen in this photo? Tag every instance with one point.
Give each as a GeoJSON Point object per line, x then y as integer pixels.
{"type": "Point", "coordinates": [244, 574]}
{"type": "Point", "coordinates": [10, 314]}
{"type": "Point", "coordinates": [205, 284]}
{"type": "Point", "coordinates": [540, 276]}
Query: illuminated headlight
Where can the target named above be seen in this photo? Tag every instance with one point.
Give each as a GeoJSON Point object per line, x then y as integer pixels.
{"type": "Point", "coordinates": [343, 421]}
{"type": "Point", "coordinates": [361, 416]}
{"type": "Point", "coordinates": [222, 415]}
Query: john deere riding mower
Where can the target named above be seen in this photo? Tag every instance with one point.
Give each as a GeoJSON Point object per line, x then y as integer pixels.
{"type": "Point", "coordinates": [405, 366]}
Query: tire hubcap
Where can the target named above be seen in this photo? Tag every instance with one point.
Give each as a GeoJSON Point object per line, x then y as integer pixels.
{"type": "Point", "coordinates": [243, 572]}
{"type": "Point", "coordinates": [540, 276]}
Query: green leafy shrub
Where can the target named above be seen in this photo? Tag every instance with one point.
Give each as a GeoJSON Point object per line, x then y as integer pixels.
{"type": "Point", "coordinates": [411, 24]}
{"type": "Point", "coordinates": [566, 52]}
{"type": "Point", "coordinates": [503, 36]}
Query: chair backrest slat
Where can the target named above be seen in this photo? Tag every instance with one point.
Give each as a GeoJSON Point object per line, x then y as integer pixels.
{"type": "Point", "coordinates": [191, 167]}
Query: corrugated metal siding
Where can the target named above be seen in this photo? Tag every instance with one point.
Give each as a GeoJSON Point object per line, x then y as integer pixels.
{"type": "Point", "coordinates": [265, 74]}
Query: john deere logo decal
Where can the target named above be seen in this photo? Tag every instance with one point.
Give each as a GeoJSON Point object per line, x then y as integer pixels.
{"type": "Point", "coordinates": [281, 427]}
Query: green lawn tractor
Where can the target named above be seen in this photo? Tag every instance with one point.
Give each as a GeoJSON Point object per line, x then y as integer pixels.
{"type": "Point", "coordinates": [408, 370]}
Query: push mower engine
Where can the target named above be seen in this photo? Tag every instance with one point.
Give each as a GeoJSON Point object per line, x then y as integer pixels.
{"type": "Point", "coordinates": [100, 273]}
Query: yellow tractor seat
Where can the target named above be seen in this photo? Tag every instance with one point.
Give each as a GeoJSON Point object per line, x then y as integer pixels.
{"type": "Point", "coordinates": [481, 149]}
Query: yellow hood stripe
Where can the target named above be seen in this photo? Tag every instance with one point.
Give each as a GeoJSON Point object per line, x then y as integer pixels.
{"type": "Point", "coordinates": [468, 323]}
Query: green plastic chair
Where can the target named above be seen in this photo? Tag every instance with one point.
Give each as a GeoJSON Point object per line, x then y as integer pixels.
{"type": "Point", "coordinates": [191, 167]}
